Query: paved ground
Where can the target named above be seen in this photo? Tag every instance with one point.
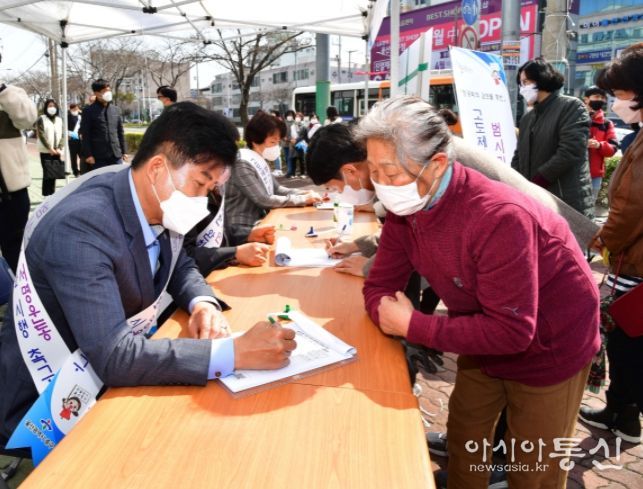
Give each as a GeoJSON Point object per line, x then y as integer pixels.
{"type": "Point", "coordinates": [435, 398]}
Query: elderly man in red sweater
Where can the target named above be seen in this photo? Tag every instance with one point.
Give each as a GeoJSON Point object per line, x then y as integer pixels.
{"type": "Point", "coordinates": [523, 306]}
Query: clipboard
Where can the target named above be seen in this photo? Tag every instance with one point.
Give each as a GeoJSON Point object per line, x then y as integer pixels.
{"type": "Point", "coordinates": [317, 350]}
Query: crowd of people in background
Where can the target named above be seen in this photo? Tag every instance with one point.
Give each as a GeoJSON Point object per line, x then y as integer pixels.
{"type": "Point", "coordinates": [525, 319]}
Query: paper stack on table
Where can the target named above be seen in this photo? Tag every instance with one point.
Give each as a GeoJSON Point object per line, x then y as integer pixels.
{"type": "Point", "coordinates": [287, 256]}
{"type": "Point", "coordinates": [316, 349]}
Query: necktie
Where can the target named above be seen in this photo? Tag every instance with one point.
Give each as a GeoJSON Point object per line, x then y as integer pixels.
{"type": "Point", "coordinates": [154, 250]}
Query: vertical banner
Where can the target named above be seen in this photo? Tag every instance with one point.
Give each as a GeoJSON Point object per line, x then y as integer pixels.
{"type": "Point", "coordinates": [415, 67]}
{"type": "Point", "coordinates": [483, 102]}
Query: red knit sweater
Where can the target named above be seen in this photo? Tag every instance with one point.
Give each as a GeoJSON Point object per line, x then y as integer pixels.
{"type": "Point", "coordinates": [520, 294]}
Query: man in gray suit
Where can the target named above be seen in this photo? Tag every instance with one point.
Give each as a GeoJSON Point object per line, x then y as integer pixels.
{"type": "Point", "coordinates": [104, 253]}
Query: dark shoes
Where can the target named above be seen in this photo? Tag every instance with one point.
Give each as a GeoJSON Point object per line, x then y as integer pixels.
{"type": "Point", "coordinates": [624, 423]}
{"type": "Point", "coordinates": [437, 441]}
{"type": "Point", "coordinates": [498, 479]}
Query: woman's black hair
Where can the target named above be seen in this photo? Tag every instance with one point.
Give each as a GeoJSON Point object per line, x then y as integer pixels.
{"type": "Point", "coordinates": [46, 104]}
{"type": "Point", "coordinates": [543, 74]}
{"type": "Point", "coordinates": [261, 126]}
{"type": "Point", "coordinates": [625, 73]}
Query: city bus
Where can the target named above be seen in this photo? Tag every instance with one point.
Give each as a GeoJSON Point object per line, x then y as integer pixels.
{"type": "Point", "coordinates": [348, 98]}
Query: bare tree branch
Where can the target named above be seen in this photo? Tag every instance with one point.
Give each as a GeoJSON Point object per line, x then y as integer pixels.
{"type": "Point", "coordinates": [246, 56]}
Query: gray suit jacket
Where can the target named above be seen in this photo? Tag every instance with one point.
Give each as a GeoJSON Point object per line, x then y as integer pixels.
{"type": "Point", "coordinates": [89, 264]}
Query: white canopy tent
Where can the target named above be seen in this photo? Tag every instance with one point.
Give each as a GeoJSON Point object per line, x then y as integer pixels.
{"type": "Point", "coordinates": [75, 21]}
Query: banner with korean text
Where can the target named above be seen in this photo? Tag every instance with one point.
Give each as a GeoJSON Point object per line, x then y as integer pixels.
{"type": "Point", "coordinates": [483, 102]}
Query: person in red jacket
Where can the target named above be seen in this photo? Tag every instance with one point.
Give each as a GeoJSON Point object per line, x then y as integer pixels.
{"type": "Point", "coordinates": [602, 141]}
{"type": "Point", "coordinates": [522, 302]}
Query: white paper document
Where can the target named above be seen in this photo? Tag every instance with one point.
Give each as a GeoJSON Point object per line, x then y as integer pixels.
{"type": "Point", "coordinates": [325, 206]}
{"type": "Point", "coordinates": [316, 348]}
{"type": "Point", "coordinates": [287, 256]}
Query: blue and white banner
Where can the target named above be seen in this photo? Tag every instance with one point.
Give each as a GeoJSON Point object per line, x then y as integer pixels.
{"type": "Point", "coordinates": [483, 102]}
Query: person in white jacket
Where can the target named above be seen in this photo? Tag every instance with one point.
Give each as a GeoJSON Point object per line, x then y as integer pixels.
{"type": "Point", "coordinates": [49, 130]}
{"type": "Point", "coordinates": [17, 113]}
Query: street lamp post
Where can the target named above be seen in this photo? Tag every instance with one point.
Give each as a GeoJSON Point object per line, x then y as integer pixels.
{"type": "Point", "coordinates": [350, 67]}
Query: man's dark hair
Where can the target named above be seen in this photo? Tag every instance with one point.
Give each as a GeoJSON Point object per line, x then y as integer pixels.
{"type": "Point", "coordinates": [543, 74]}
{"type": "Point", "coordinates": [329, 149]}
{"type": "Point", "coordinates": [100, 84]}
{"type": "Point", "coordinates": [167, 91]}
{"type": "Point", "coordinates": [187, 133]}
{"type": "Point", "coordinates": [625, 73]}
{"type": "Point", "coordinates": [331, 112]}
{"type": "Point", "coordinates": [594, 90]}
{"type": "Point", "coordinates": [261, 126]}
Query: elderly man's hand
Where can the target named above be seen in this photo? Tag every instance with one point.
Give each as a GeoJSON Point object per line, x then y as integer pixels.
{"type": "Point", "coordinates": [207, 322]}
{"type": "Point", "coordinates": [395, 314]}
{"type": "Point", "coordinates": [262, 234]}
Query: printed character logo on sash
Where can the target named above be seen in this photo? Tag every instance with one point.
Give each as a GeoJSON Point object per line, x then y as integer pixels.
{"type": "Point", "coordinates": [71, 405]}
{"type": "Point", "coordinates": [74, 401]}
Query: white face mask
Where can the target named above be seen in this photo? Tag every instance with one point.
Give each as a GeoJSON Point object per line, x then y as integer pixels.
{"type": "Point", "coordinates": [529, 93]}
{"type": "Point", "coordinates": [403, 200]}
{"type": "Point", "coordinates": [52, 111]}
{"type": "Point", "coordinates": [622, 109]}
{"type": "Point", "coordinates": [297, 119]}
{"type": "Point", "coordinates": [180, 212]}
{"type": "Point", "coordinates": [74, 113]}
{"type": "Point", "coordinates": [356, 197]}
{"type": "Point", "coordinates": [289, 118]}
{"type": "Point", "coordinates": [107, 96]}
{"type": "Point", "coordinates": [271, 153]}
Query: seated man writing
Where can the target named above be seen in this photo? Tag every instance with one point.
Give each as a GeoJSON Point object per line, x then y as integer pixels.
{"type": "Point", "coordinates": [209, 244]}
{"type": "Point", "coordinates": [336, 161]}
{"type": "Point", "coordinates": [96, 258]}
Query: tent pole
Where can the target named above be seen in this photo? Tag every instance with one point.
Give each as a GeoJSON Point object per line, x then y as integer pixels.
{"type": "Point", "coordinates": [64, 112]}
{"type": "Point", "coordinates": [395, 46]}
{"type": "Point", "coordinates": [368, 76]}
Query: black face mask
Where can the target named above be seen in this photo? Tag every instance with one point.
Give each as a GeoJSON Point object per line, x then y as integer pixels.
{"type": "Point", "coordinates": [596, 104]}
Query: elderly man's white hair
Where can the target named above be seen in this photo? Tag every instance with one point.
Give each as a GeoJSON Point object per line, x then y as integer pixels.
{"type": "Point", "coordinates": [416, 129]}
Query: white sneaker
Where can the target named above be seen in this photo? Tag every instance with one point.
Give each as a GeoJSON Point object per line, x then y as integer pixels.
{"type": "Point", "coordinates": [278, 173]}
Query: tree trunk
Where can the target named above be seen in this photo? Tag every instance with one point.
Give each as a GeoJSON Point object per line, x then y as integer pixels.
{"type": "Point", "coordinates": [243, 106]}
